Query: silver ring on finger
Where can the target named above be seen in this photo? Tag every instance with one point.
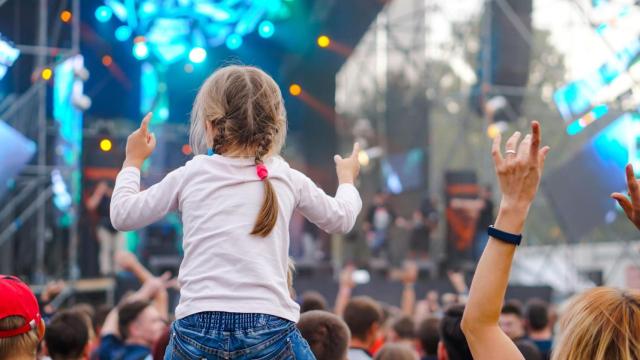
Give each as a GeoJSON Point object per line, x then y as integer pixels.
{"type": "Point", "coordinates": [510, 152]}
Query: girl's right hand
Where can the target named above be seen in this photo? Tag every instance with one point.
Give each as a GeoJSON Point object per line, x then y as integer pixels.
{"type": "Point", "coordinates": [631, 208]}
{"type": "Point", "coordinates": [140, 144]}
{"type": "Point", "coordinates": [348, 168]}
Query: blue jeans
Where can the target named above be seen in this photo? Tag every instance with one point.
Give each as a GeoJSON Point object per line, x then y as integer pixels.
{"type": "Point", "coordinates": [222, 335]}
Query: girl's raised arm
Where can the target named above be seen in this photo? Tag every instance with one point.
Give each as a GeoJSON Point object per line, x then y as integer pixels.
{"type": "Point", "coordinates": [332, 214]}
{"type": "Point", "coordinates": [131, 208]}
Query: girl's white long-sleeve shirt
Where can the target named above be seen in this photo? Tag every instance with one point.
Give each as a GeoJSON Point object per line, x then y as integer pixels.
{"type": "Point", "coordinates": [224, 267]}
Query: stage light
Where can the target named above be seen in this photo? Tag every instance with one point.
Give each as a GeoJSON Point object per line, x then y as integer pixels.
{"type": "Point", "coordinates": [197, 55]}
{"type": "Point", "coordinates": [148, 8]}
{"type": "Point", "coordinates": [46, 74]}
{"type": "Point", "coordinates": [123, 33]}
{"type": "Point", "coordinates": [234, 41]}
{"type": "Point", "coordinates": [140, 50]}
{"type": "Point", "coordinates": [215, 11]}
{"type": "Point", "coordinates": [8, 55]}
{"type": "Point", "coordinates": [496, 129]}
{"type": "Point", "coordinates": [106, 145]}
{"type": "Point", "coordinates": [363, 158]}
{"type": "Point", "coordinates": [65, 16]}
{"type": "Point", "coordinates": [103, 13]}
{"type": "Point", "coordinates": [295, 89]}
{"type": "Point", "coordinates": [118, 9]}
{"type": "Point", "coordinates": [266, 29]}
{"type": "Point", "coordinates": [163, 113]}
{"type": "Point", "coordinates": [186, 149]}
{"type": "Point", "coordinates": [324, 41]}
{"type": "Point", "coordinates": [107, 60]}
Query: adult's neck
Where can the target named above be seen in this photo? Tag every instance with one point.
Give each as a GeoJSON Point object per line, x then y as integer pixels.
{"type": "Point", "coordinates": [541, 334]}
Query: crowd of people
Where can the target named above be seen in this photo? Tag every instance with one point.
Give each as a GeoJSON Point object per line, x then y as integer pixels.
{"type": "Point", "coordinates": [355, 328]}
{"type": "Point", "coordinates": [237, 298]}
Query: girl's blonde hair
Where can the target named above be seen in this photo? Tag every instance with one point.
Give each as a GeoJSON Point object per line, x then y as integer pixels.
{"type": "Point", "coordinates": [600, 324]}
{"type": "Point", "coordinates": [243, 109]}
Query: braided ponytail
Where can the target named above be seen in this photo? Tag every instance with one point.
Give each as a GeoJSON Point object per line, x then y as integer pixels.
{"type": "Point", "coordinates": [220, 126]}
{"type": "Point", "coordinates": [268, 214]}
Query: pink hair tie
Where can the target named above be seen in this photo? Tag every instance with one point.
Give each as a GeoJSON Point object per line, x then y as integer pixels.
{"type": "Point", "coordinates": [262, 171]}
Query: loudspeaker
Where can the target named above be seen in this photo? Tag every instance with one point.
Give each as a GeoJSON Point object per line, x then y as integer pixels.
{"type": "Point", "coordinates": [460, 190]}
{"type": "Point", "coordinates": [507, 48]}
{"type": "Point", "coordinates": [510, 52]}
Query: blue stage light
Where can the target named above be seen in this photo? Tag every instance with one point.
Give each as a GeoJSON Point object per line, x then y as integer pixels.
{"type": "Point", "coordinates": [123, 33]}
{"type": "Point", "coordinates": [140, 50]}
{"type": "Point", "coordinates": [215, 11]}
{"type": "Point", "coordinates": [266, 29]}
{"type": "Point", "coordinates": [119, 10]}
{"type": "Point", "coordinates": [103, 13]}
{"type": "Point", "coordinates": [197, 55]}
{"type": "Point", "coordinates": [148, 8]}
{"type": "Point", "coordinates": [163, 113]}
{"type": "Point", "coordinates": [8, 55]}
{"type": "Point", "coordinates": [234, 41]}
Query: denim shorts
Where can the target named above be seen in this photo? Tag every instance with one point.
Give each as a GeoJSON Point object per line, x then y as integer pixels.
{"type": "Point", "coordinates": [222, 335]}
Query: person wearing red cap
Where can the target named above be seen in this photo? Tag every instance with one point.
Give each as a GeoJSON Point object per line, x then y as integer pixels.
{"type": "Point", "coordinates": [21, 326]}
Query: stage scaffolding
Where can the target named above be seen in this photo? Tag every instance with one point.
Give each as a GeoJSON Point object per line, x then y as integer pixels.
{"type": "Point", "coordinates": [404, 40]}
{"type": "Point", "coordinates": [27, 113]}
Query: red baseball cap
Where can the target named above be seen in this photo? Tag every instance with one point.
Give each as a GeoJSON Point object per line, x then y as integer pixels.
{"type": "Point", "coordinates": [18, 300]}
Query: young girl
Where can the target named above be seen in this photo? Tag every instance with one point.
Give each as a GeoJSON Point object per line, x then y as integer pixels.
{"type": "Point", "coordinates": [236, 203]}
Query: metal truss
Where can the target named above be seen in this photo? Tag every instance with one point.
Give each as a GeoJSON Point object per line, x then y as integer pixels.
{"type": "Point", "coordinates": [33, 186]}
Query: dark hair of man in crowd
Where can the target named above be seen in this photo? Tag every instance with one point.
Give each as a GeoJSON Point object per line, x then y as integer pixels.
{"type": "Point", "coordinates": [312, 300]}
{"type": "Point", "coordinates": [451, 334]}
{"type": "Point", "coordinates": [327, 334]}
{"type": "Point", "coordinates": [67, 335]}
{"type": "Point", "coordinates": [512, 307]}
{"type": "Point", "coordinates": [537, 314]}
{"type": "Point", "coordinates": [396, 351]}
{"type": "Point", "coordinates": [85, 308]}
{"type": "Point", "coordinates": [428, 335]}
{"type": "Point", "coordinates": [127, 314]}
{"type": "Point", "coordinates": [404, 327]}
{"type": "Point", "coordinates": [360, 314]}
{"type": "Point", "coordinates": [102, 311]}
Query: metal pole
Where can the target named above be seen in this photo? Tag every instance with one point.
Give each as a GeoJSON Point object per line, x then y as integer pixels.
{"type": "Point", "coordinates": [486, 86]}
{"type": "Point", "coordinates": [74, 270]}
{"type": "Point", "coordinates": [41, 59]}
{"type": "Point", "coordinates": [75, 27]}
{"type": "Point", "coordinates": [39, 202]}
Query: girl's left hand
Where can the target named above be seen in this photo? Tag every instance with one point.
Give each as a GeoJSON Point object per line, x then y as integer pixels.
{"type": "Point", "coordinates": [140, 144]}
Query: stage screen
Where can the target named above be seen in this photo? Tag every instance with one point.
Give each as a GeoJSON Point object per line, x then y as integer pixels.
{"type": "Point", "coordinates": [15, 152]}
{"type": "Point", "coordinates": [579, 189]}
{"type": "Point", "coordinates": [403, 172]}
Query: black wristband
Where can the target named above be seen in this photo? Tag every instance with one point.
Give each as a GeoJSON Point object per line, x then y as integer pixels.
{"type": "Point", "coordinates": [504, 236]}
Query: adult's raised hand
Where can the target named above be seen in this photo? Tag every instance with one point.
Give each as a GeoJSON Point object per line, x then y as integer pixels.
{"type": "Point", "coordinates": [630, 204]}
{"type": "Point", "coordinates": [520, 169]}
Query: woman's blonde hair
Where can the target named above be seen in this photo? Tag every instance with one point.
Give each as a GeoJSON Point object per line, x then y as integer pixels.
{"type": "Point", "coordinates": [243, 109]}
{"type": "Point", "coordinates": [600, 324]}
